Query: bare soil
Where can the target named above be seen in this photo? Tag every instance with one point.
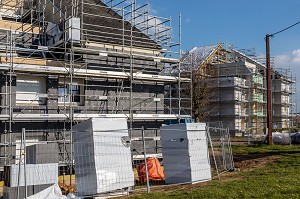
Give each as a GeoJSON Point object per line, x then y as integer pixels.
{"type": "Point", "coordinates": [242, 163]}
{"type": "Point", "coordinates": [254, 161]}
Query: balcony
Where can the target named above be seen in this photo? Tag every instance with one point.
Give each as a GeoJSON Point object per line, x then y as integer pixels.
{"type": "Point", "coordinates": [232, 82]}
{"type": "Point", "coordinates": [282, 114]}
{"type": "Point", "coordinates": [258, 79]}
{"type": "Point", "coordinates": [282, 102]}
{"type": "Point", "coordinates": [237, 97]}
{"type": "Point", "coordinates": [258, 98]}
{"type": "Point", "coordinates": [230, 112]}
{"type": "Point", "coordinates": [259, 113]}
{"type": "Point", "coordinates": [284, 90]}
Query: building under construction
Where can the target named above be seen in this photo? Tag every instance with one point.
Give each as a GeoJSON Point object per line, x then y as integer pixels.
{"type": "Point", "coordinates": [230, 86]}
{"type": "Point", "coordinates": [63, 62]}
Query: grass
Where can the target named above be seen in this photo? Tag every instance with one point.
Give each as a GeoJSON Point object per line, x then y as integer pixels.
{"type": "Point", "coordinates": [277, 179]}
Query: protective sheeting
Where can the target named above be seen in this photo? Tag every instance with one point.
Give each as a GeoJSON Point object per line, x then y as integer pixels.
{"type": "Point", "coordinates": [281, 138]}
{"type": "Point", "coordinates": [185, 153]}
{"type": "Point", "coordinates": [54, 34]}
{"type": "Point", "coordinates": [295, 138]}
{"type": "Point", "coordinates": [102, 156]}
{"type": "Point", "coordinates": [12, 192]}
{"type": "Point", "coordinates": [155, 170]}
{"type": "Point", "coordinates": [52, 192]}
{"type": "Point", "coordinates": [36, 174]}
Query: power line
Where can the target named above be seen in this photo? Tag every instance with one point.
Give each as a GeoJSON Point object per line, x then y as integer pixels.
{"type": "Point", "coordinates": [271, 35]}
{"type": "Point", "coordinates": [269, 81]}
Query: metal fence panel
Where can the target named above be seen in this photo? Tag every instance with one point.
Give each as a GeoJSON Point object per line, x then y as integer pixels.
{"type": "Point", "coordinates": [220, 149]}
{"type": "Point", "coordinates": [109, 158]}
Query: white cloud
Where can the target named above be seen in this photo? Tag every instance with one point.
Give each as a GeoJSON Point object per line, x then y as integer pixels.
{"type": "Point", "coordinates": [188, 20]}
{"type": "Point", "coordinates": [291, 61]}
{"type": "Point", "coordinates": [152, 10]}
{"type": "Point", "coordinates": [296, 56]}
{"type": "Point", "coordinates": [288, 60]}
{"type": "Point", "coordinates": [282, 60]}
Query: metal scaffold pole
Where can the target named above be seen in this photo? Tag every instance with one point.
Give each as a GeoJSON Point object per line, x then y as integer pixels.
{"type": "Point", "coordinates": [131, 69]}
{"type": "Point", "coordinates": [179, 82]}
{"type": "Point", "coordinates": [145, 159]}
{"type": "Point", "coordinates": [67, 62]}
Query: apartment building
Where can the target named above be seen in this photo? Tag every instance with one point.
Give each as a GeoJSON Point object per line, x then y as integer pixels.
{"type": "Point", "coordinates": [283, 89]}
{"type": "Point", "coordinates": [237, 94]}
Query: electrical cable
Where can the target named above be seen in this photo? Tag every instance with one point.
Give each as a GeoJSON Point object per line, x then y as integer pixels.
{"type": "Point", "coordinates": [272, 35]}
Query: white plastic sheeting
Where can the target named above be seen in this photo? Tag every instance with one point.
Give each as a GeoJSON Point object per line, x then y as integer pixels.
{"type": "Point", "coordinates": [102, 156]}
{"type": "Point", "coordinates": [36, 174]}
{"type": "Point", "coordinates": [52, 192]}
{"type": "Point", "coordinates": [185, 153]}
{"type": "Point", "coordinates": [295, 138]}
{"type": "Point", "coordinates": [281, 138]}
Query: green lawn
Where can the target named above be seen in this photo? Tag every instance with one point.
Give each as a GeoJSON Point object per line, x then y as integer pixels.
{"type": "Point", "coordinates": [277, 179]}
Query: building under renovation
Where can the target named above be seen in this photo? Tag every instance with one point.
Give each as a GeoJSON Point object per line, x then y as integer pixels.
{"type": "Point", "coordinates": [232, 89]}
{"type": "Point", "coordinates": [63, 62]}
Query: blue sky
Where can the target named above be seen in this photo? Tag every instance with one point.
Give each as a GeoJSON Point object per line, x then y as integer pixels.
{"type": "Point", "coordinates": [243, 23]}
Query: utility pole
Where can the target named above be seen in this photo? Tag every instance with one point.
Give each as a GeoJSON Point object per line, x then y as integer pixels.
{"type": "Point", "coordinates": [269, 92]}
{"type": "Point", "coordinates": [269, 81]}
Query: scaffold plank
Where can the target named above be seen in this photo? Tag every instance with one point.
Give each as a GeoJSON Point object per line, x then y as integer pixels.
{"type": "Point", "coordinates": [19, 27]}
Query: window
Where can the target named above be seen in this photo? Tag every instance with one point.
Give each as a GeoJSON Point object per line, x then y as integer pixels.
{"type": "Point", "coordinates": [30, 89]}
{"type": "Point", "coordinates": [68, 92]}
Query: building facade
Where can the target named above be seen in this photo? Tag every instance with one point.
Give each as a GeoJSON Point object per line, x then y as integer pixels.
{"type": "Point", "coordinates": [63, 62]}
{"type": "Point", "coordinates": [237, 96]}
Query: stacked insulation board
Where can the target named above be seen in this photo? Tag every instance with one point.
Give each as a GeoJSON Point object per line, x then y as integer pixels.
{"type": "Point", "coordinates": [36, 174]}
{"type": "Point", "coordinates": [41, 171]}
{"type": "Point", "coordinates": [102, 156]}
{"type": "Point", "coordinates": [38, 178]}
{"type": "Point", "coordinates": [42, 153]}
{"type": "Point", "coordinates": [185, 153]}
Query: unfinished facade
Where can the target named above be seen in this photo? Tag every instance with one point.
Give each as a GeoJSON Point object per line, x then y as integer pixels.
{"type": "Point", "coordinates": [283, 90]}
{"type": "Point", "coordinates": [63, 62]}
{"type": "Point", "coordinates": [235, 90]}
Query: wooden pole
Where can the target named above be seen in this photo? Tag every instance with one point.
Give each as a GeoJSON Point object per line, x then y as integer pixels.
{"type": "Point", "coordinates": [269, 92]}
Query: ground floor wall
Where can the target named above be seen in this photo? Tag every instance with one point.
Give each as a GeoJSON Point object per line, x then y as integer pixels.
{"type": "Point", "coordinates": [59, 132]}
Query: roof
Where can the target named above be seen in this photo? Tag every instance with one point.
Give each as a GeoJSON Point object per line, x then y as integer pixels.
{"type": "Point", "coordinates": [248, 58]}
{"type": "Point", "coordinates": [103, 24]}
{"type": "Point", "coordinates": [198, 56]}
{"type": "Point", "coordinates": [205, 54]}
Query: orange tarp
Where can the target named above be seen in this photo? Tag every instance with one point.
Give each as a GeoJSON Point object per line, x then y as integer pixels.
{"type": "Point", "coordinates": [155, 170]}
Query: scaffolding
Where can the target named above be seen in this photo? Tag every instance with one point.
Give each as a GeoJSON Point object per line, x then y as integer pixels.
{"type": "Point", "coordinates": [64, 62]}
{"type": "Point", "coordinates": [284, 102]}
{"type": "Point", "coordinates": [236, 94]}
{"type": "Point", "coordinates": [204, 74]}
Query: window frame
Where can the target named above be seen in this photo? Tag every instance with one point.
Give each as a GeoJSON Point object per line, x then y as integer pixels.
{"type": "Point", "coordinates": [64, 98]}
{"type": "Point", "coordinates": [40, 90]}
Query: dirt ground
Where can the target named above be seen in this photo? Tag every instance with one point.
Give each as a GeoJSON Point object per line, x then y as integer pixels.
{"type": "Point", "coordinates": [241, 162]}
{"type": "Point", "coordinates": [254, 161]}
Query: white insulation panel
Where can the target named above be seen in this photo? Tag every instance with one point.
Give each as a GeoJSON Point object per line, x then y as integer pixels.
{"type": "Point", "coordinates": [102, 157]}
{"type": "Point", "coordinates": [185, 153]}
{"type": "Point", "coordinates": [36, 174]}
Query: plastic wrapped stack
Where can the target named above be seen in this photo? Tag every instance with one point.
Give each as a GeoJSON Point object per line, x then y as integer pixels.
{"type": "Point", "coordinates": [38, 178]}
{"type": "Point", "coordinates": [185, 153]}
{"type": "Point", "coordinates": [102, 156]}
